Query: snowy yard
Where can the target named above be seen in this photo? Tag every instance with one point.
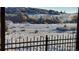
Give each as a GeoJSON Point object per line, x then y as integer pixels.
{"type": "Point", "coordinates": [20, 32]}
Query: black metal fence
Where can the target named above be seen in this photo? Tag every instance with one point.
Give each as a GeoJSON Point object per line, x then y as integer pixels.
{"type": "Point", "coordinates": [42, 43]}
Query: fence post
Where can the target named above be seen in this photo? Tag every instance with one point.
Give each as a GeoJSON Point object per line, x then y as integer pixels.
{"type": "Point", "coordinates": [77, 40]}
{"type": "Point", "coordinates": [2, 29]}
{"type": "Point", "coordinates": [46, 42]}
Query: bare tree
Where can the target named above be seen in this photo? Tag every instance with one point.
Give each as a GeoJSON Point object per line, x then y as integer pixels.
{"type": "Point", "coordinates": [23, 17]}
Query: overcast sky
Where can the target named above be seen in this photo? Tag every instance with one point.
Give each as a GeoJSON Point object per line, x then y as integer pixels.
{"type": "Point", "coordinates": [66, 9]}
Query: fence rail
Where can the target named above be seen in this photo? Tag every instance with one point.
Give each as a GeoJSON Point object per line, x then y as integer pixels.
{"type": "Point", "coordinates": [42, 43]}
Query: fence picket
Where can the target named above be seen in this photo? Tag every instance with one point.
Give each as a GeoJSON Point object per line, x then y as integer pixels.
{"type": "Point", "coordinates": [42, 43]}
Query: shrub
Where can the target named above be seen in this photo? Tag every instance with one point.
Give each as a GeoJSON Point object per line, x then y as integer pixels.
{"type": "Point", "coordinates": [36, 31]}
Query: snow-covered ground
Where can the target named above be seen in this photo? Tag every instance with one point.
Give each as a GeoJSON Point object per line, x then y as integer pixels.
{"type": "Point", "coordinates": [23, 30]}
{"type": "Point", "coordinates": [39, 27]}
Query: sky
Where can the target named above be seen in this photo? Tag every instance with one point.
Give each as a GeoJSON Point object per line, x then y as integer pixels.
{"type": "Point", "coordinates": [66, 9]}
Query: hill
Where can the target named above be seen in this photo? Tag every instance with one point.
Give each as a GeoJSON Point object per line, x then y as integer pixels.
{"type": "Point", "coordinates": [12, 10]}
{"type": "Point", "coordinates": [37, 16]}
